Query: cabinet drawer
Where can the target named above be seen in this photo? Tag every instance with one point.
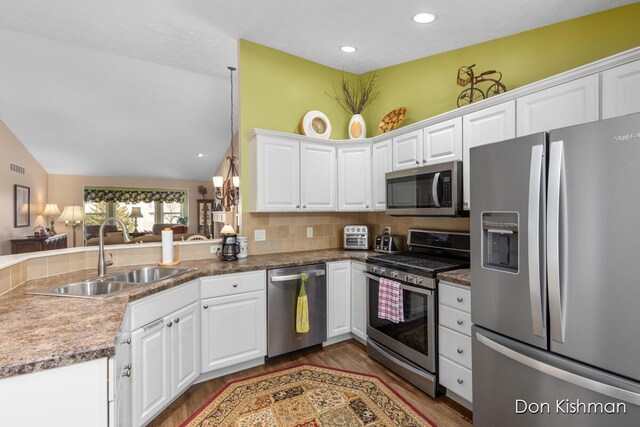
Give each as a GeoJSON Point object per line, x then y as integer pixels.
{"type": "Point", "coordinates": [457, 320]}
{"type": "Point", "coordinates": [454, 296]}
{"type": "Point", "coordinates": [454, 346]}
{"type": "Point", "coordinates": [233, 284]}
{"type": "Point", "coordinates": [456, 378]}
{"type": "Point", "coordinates": [157, 306]}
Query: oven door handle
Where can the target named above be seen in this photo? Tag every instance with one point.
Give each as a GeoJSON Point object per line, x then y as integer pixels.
{"type": "Point", "coordinates": [403, 287]}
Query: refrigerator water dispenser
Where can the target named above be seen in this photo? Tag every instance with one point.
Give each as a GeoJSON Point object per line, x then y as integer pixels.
{"type": "Point", "coordinates": [500, 241]}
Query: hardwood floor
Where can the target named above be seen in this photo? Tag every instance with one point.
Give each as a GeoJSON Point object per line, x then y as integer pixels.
{"type": "Point", "coordinates": [349, 355]}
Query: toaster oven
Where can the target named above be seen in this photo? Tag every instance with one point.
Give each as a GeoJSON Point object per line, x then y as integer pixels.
{"type": "Point", "coordinates": [356, 237]}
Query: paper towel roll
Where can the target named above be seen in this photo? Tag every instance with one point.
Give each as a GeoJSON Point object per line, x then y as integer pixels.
{"type": "Point", "coordinates": [167, 246]}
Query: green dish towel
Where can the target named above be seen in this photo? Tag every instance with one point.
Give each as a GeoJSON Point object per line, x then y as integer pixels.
{"type": "Point", "coordinates": [302, 308]}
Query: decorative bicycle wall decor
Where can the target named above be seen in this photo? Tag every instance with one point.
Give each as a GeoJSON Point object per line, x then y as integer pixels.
{"type": "Point", "coordinates": [466, 76]}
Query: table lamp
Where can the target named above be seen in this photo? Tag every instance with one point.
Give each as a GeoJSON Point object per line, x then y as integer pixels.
{"type": "Point", "coordinates": [50, 210]}
{"type": "Point", "coordinates": [72, 216]}
{"type": "Point", "coordinates": [135, 214]}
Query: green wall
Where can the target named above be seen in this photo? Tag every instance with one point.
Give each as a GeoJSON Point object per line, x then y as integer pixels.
{"type": "Point", "coordinates": [277, 89]}
{"type": "Point", "coordinates": [427, 86]}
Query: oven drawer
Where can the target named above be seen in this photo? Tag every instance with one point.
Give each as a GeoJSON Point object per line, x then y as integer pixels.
{"type": "Point", "coordinates": [455, 346]}
{"type": "Point", "coordinates": [454, 296]}
{"type": "Point", "coordinates": [456, 378]}
{"type": "Point", "coordinates": [454, 319]}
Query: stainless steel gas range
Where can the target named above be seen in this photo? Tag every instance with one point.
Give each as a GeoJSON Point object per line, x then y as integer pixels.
{"type": "Point", "coordinates": [409, 347]}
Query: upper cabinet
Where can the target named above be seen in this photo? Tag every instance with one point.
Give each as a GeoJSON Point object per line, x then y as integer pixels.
{"type": "Point", "coordinates": [317, 177]}
{"type": "Point", "coordinates": [567, 104]}
{"type": "Point", "coordinates": [277, 175]}
{"type": "Point", "coordinates": [354, 177]}
{"type": "Point", "coordinates": [621, 90]}
{"type": "Point", "coordinates": [492, 124]}
{"type": "Point", "coordinates": [407, 150]}
{"type": "Point", "coordinates": [381, 163]}
{"type": "Point", "coordinates": [442, 142]}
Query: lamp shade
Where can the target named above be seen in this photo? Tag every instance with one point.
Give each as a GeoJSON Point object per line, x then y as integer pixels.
{"type": "Point", "coordinates": [73, 213]}
{"type": "Point", "coordinates": [136, 212]}
{"type": "Point", "coordinates": [51, 209]}
{"type": "Point", "coordinates": [218, 181]}
{"type": "Point", "coordinates": [236, 181]}
{"type": "Point", "coordinates": [227, 229]}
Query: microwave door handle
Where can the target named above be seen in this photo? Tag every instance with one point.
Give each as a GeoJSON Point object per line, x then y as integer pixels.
{"type": "Point", "coordinates": [535, 282]}
{"type": "Point", "coordinates": [434, 189]}
{"type": "Point", "coordinates": [554, 232]}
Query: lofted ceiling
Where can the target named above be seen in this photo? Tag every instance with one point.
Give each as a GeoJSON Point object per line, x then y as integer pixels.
{"type": "Point", "coordinates": [138, 88]}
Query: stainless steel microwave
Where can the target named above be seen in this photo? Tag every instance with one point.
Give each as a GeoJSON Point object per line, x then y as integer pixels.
{"type": "Point", "coordinates": [434, 190]}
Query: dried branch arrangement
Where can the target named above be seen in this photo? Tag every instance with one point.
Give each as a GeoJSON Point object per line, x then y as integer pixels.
{"type": "Point", "coordinates": [354, 98]}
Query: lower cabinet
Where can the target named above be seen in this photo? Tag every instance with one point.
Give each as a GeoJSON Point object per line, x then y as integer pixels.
{"type": "Point", "coordinates": [233, 329]}
{"type": "Point", "coordinates": [358, 301]}
{"type": "Point", "coordinates": [234, 319]}
{"type": "Point", "coordinates": [338, 298]}
{"type": "Point", "coordinates": [165, 361]}
{"type": "Point", "coordinates": [454, 339]}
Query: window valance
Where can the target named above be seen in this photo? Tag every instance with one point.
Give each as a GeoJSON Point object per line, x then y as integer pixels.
{"type": "Point", "coordinates": [133, 195]}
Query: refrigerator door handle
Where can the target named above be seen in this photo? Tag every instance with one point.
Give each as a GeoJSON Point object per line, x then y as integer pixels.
{"type": "Point", "coordinates": [434, 189]}
{"type": "Point", "coordinates": [535, 282]}
{"type": "Point", "coordinates": [580, 381]}
{"type": "Point", "coordinates": [554, 230]}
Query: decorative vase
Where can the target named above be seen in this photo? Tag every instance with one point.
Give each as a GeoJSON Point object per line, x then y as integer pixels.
{"type": "Point", "coordinates": [357, 127]}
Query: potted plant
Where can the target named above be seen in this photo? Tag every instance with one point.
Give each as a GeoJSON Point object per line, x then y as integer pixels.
{"type": "Point", "coordinates": [354, 98]}
{"type": "Point", "coordinates": [202, 190]}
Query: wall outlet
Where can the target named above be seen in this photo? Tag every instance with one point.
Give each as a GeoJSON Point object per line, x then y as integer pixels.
{"type": "Point", "coordinates": [309, 231]}
{"type": "Point", "coordinates": [214, 248]}
{"type": "Point", "coordinates": [387, 230]}
{"type": "Point", "coordinates": [260, 235]}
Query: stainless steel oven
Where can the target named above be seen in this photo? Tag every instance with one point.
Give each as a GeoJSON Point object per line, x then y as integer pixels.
{"type": "Point", "coordinates": [409, 347]}
{"type": "Point", "coordinates": [425, 191]}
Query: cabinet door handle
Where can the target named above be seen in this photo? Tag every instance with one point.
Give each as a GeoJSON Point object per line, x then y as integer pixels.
{"type": "Point", "coordinates": [460, 351]}
{"type": "Point", "coordinates": [417, 162]}
{"type": "Point", "coordinates": [169, 324]}
{"type": "Point", "coordinates": [460, 380]}
{"type": "Point", "coordinates": [460, 299]}
{"type": "Point", "coordinates": [205, 306]}
{"type": "Point", "coordinates": [366, 206]}
{"type": "Point", "coordinates": [126, 373]}
{"type": "Point", "coordinates": [297, 206]}
{"type": "Point", "coordinates": [176, 320]}
{"type": "Point", "coordinates": [460, 322]}
{"type": "Point", "coordinates": [235, 285]}
{"type": "Point", "coordinates": [304, 206]}
{"type": "Point", "coordinates": [127, 341]}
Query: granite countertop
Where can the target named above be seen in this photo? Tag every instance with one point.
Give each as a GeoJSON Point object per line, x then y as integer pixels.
{"type": "Point", "coordinates": [44, 332]}
{"type": "Point", "coordinates": [460, 277]}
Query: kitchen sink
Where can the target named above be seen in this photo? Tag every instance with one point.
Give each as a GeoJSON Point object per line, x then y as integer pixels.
{"type": "Point", "coordinates": [113, 284]}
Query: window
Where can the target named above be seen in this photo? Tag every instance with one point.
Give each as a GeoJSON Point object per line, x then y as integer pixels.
{"type": "Point", "coordinates": [171, 212]}
{"type": "Point", "coordinates": [148, 211]}
{"type": "Point", "coordinates": [96, 211]}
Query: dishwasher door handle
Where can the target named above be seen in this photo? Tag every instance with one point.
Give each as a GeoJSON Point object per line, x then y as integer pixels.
{"type": "Point", "coordinates": [313, 273]}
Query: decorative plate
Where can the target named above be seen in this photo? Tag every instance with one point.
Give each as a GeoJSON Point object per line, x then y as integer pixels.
{"type": "Point", "coordinates": [392, 120]}
{"type": "Point", "coordinates": [315, 123]}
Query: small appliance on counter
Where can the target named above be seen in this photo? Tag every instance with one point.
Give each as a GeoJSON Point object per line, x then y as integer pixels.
{"type": "Point", "coordinates": [230, 246]}
{"type": "Point", "coordinates": [356, 237]}
{"type": "Point", "coordinates": [388, 243]}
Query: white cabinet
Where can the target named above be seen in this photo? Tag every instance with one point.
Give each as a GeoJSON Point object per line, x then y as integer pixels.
{"type": "Point", "coordinates": [151, 371]}
{"type": "Point", "coordinates": [454, 339]}
{"type": "Point", "coordinates": [317, 177]}
{"type": "Point", "coordinates": [354, 178]}
{"type": "Point", "coordinates": [185, 348]}
{"type": "Point", "coordinates": [276, 175]}
{"type": "Point", "coordinates": [358, 301]}
{"type": "Point", "coordinates": [482, 127]}
{"type": "Point", "coordinates": [442, 142]}
{"type": "Point", "coordinates": [621, 90]}
{"type": "Point", "coordinates": [567, 104]}
{"type": "Point", "coordinates": [234, 324]}
{"type": "Point", "coordinates": [381, 163]}
{"type": "Point", "coordinates": [407, 150]}
{"type": "Point", "coordinates": [338, 298]}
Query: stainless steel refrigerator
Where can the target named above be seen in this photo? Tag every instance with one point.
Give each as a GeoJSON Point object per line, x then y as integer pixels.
{"type": "Point", "coordinates": [555, 265]}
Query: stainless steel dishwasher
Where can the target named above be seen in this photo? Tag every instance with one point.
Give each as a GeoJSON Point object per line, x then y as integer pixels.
{"type": "Point", "coordinates": [282, 296]}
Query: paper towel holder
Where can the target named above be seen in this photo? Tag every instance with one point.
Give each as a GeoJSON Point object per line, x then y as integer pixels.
{"type": "Point", "coordinates": [176, 260]}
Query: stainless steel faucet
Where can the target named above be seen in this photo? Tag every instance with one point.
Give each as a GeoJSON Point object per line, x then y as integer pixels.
{"type": "Point", "coordinates": [102, 263]}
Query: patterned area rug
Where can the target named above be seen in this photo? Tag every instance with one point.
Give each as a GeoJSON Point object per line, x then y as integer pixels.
{"type": "Point", "coordinates": [308, 396]}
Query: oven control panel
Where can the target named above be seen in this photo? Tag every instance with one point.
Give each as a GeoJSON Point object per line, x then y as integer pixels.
{"type": "Point", "coordinates": [401, 276]}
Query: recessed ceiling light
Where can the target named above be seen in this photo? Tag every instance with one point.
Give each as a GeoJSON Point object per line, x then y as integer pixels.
{"type": "Point", "coordinates": [348, 49]}
{"type": "Point", "coordinates": [424, 18]}
{"type": "Point", "coordinates": [200, 154]}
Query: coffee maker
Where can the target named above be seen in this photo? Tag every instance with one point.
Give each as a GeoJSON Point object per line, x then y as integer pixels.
{"type": "Point", "coordinates": [230, 246]}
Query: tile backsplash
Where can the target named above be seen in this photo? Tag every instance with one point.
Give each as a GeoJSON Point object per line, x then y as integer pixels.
{"type": "Point", "coordinates": [287, 232]}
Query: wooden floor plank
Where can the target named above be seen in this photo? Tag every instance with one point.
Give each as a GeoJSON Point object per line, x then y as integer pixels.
{"type": "Point", "coordinates": [349, 355]}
